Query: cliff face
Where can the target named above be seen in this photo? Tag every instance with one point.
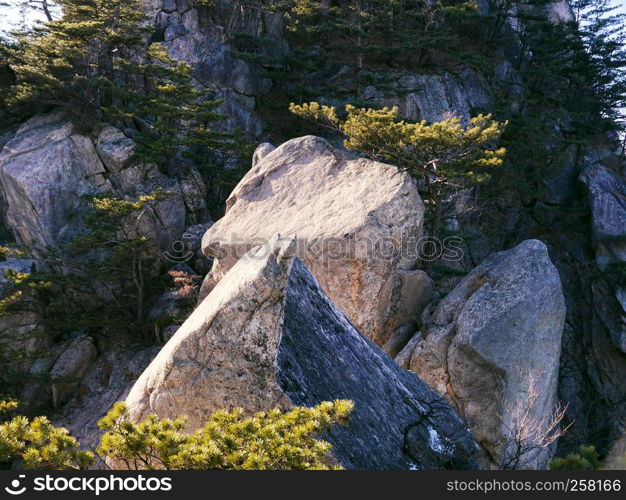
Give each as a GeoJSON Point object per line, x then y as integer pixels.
{"type": "Point", "coordinates": [592, 359]}
{"type": "Point", "coordinates": [529, 312]}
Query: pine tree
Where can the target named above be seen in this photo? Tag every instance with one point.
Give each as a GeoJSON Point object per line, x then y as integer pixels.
{"type": "Point", "coordinates": [443, 155]}
{"type": "Point", "coordinates": [572, 93]}
{"type": "Point", "coordinates": [273, 440]}
{"type": "Point", "coordinates": [97, 63]}
{"type": "Point", "coordinates": [394, 33]}
{"type": "Point", "coordinates": [37, 444]}
{"type": "Point", "coordinates": [586, 459]}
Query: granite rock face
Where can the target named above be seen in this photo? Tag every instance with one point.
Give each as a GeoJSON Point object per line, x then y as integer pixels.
{"type": "Point", "coordinates": [434, 97]}
{"type": "Point", "coordinates": [69, 368]}
{"type": "Point", "coordinates": [358, 223]}
{"type": "Point", "coordinates": [48, 169]}
{"type": "Point", "coordinates": [607, 195]}
{"type": "Point", "coordinates": [44, 171]}
{"type": "Point", "coordinates": [492, 347]}
{"type": "Point", "coordinates": [200, 37]}
{"type": "Point", "coordinates": [268, 336]}
{"type": "Point", "coordinates": [106, 381]}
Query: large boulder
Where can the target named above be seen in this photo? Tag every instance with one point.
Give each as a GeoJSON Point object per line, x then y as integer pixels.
{"type": "Point", "coordinates": [267, 336]}
{"type": "Point", "coordinates": [48, 169]}
{"type": "Point", "coordinates": [358, 223]}
{"type": "Point", "coordinates": [45, 170]}
{"type": "Point", "coordinates": [492, 347]}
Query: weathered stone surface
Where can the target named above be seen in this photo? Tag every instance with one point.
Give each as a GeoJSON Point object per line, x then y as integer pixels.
{"type": "Point", "coordinates": [357, 222]}
{"type": "Point", "coordinates": [191, 248]}
{"type": "Point", "coordinates": [492, 347]}
{"type": "Point", "coordinates": [200, 37]}
{"type": "Point", "coordinates": [44, 171]}
{"type": "Point", "coordinates": [616, 459]}
{"type": "Point", "coordinates": [107, 381]}
{"type": "Point", "coordinates": [261, 152]}
{"type": "Point", "coordinates": [560, 11]}
{"type": "Point", "coordinates": [603, 345]}
{"type": "Point", "coordinates": [70, 367]}
{"type": "Point", "coordinates": [175, 305]}
{"type": "Point", "coordinates": [268, 336]}
{"type": "Point", "coordinates": [47, 169]}
{"type": "Point", "coordinates": [434, 97]}
{"type": "Point", "coordinates": [194, 194]}
{"type": "Point", "coordinates": [607, 195]}
{"type": "Point", "coordinates": [398, 339]}
{"type": "Point", "coordinates": [115, 148]}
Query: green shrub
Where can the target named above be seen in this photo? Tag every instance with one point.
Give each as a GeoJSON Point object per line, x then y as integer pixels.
{"type": "Point", "coordinates": [229, 440]}
{"type": "Point", "coordinates": [585, 459]}
{"type": "Point", "coordinates": [37, 444]}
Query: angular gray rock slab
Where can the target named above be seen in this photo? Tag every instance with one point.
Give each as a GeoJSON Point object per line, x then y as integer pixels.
{"type": "Point", "coordinates": [267, 336]}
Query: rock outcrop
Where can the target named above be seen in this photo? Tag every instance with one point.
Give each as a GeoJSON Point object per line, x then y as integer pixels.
{"type": "Point", "coordinates": [492, 347]}
{"type": "Point", "coordinates": [200, 37]}
{"type": "Point", "coordinates": [70, 367]}
{"type": "Point", "coordinates": [358, 223]}
{"type": "Point", "coordinates": [44, 171]}
{"type": "Point", "coordinates": [433, 97]}
{"type": "Point", "coordinates": [108, 380]}
{"type": "Point", "coordinates": [607, 195]}
{"type": "Point", "coordinates": [48, 168]}
{"type": "Point", "coordinates": [268, 336]}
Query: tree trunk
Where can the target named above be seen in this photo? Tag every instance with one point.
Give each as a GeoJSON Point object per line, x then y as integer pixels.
{"type": "Point", "coordinates": [46, 10]}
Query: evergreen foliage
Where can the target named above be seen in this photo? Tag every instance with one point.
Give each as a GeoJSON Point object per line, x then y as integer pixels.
{"type": "Point", "coordinates": [101, 280]}
{"type": "Point", "coordinates": [586, 459]}
{"type": "Point", "coordinates": [443, 155]}
{"type": "Point", "coordinates": [273, 440]}
{"type": "Point", "coordinates": [37, 444]}
{"type": "Point", "coordinates": [229, 440]}
{"type": "Point", "coordinates": [98, 63]}
{"type": "Point", "coordinates": [397, 33]}
{"type": "Point", "coordinates": [572, 92]}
